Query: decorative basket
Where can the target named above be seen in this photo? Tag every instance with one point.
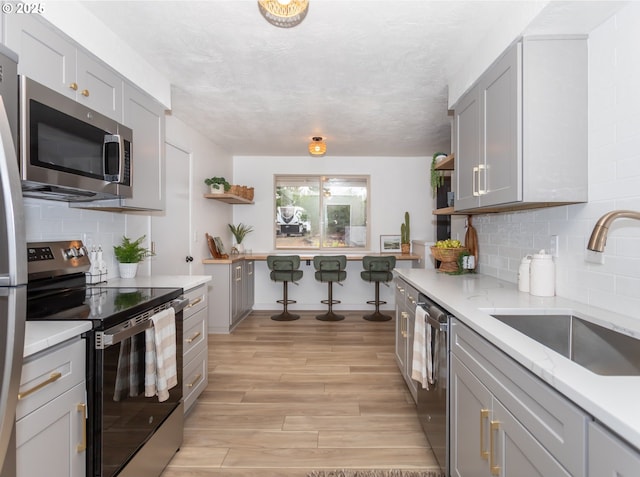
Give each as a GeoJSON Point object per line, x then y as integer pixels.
{"type": "Point", "coordinates": [250, 191]}
{"type": "Point", "coordinates": [448, 257]}
{"type": "Point", "coordinates": [234, 190]}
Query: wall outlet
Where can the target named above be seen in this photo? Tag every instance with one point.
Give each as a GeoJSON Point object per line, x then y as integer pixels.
{"type": "Point", "coordinates": [594, 257]}
{"type": "Point", "coordinates": [553, 246]}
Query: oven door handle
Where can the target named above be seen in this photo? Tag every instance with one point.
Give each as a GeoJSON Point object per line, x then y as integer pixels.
{"type": "Point", "coordinates": [179, 304]}
{"type": "Point", "coordinates": [109, 338]}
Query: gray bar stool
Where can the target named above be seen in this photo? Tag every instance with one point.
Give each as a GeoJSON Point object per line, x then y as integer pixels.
{"type": "Point", "coordinates": [330, 269]}
{"type": "Point", "coordinates": [377, 269]}
{"type": "Point", "coordinates": [284, 268]}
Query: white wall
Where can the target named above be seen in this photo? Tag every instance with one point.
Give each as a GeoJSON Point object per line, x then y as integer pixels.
{"type": "Point", "coordinates": [614, 183]}
{"type": "Point", "coordinates": [398, 184]}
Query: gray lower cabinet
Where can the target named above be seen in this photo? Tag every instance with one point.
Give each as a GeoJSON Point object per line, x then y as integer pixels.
{"type": "Point", "coordinates": [232, 293]}
{"type": "Point", "coordinates": [51, 413]}
{"type": "Point", "coordinates": [506, 422]}
{"type": "Point", "coordinates": [609, 455]}
{"type": "Point", "coordinates": [406, 299]}
{"type": "Point", "coordinates": [194, 346]}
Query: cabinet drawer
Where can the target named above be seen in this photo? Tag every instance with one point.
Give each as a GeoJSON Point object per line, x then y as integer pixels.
{"type": "Point", "coordinates": [47, 375]}
{"type": "Point", "coordinates": [195, 379]}
{"type": "Point", "coordinates": [197, 301]}
{"type": "Point", "coordinates": [194, 335]}
{"type": "Point", "coordinates": [554, 421]}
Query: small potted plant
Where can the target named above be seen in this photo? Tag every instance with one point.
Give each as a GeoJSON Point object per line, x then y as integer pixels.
{"type": "Point", "coordinates": [240, 231]}
{"type": "Point", "coordinates": [437, 176]}
{"type": "Point", "coordinates": [405, 235]}
{"type": "Point", "coordinates": [129, 254]}
{"type": "Point", "coordinates": [218, 185]}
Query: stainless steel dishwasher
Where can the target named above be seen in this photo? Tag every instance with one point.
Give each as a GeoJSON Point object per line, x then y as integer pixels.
{"type": "Point", "coordinates": [432, 405]}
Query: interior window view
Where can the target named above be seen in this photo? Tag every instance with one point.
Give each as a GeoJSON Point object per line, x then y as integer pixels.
{"type": "Point", "coordinates": [319, 238]}
{"type": "Point", "coordinates": [321, 212]}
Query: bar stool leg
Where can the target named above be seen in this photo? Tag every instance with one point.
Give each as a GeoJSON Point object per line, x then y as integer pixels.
{"type": "Point", "coordinates": [285, 315]}
{"type": "Point", "coordinates": [330, 315]}
{"type": "Point", "coordinates": [377, 315]}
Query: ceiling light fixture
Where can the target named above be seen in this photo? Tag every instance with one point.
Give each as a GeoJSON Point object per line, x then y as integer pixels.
{"type": "Point", "coordinates": [284, 13]}
{"type": "Point", "coordinates": [317, 146]}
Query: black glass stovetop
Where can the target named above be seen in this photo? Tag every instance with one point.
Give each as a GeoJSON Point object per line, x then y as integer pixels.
{"type": "Point", "coordinates": [70, 300]}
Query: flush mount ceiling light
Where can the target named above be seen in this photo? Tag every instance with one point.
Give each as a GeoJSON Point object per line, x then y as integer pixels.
{"type": "Point", "coordinates": [284, 13]}
{"type": "Point", "coordinates": [317, 146]}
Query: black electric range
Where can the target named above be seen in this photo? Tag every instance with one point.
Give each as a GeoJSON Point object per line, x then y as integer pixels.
{"type": "Point", "coordinates": [57, 289]}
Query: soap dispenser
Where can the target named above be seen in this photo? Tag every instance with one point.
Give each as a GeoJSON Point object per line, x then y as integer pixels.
{"type": "Point", "coordinates": [542, 276]}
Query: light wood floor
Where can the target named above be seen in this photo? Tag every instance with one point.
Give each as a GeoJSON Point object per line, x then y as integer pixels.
{"type": "Point", "coordinates": [285, 398]}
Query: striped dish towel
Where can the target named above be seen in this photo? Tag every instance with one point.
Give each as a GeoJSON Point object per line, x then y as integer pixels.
{"type": "Point", "coordinates": [161, 372]}
{"type": "Point", "coordinates": [422, 364]}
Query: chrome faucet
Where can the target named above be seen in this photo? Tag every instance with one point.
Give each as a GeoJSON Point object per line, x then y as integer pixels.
{"type": "Point", "coordinates": [599, 235]}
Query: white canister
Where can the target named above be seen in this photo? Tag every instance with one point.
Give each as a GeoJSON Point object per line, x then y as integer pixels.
{"type": "Point", "coordinates": [523, 274]}
{"type": "Point", "coordinates": [542, 276]}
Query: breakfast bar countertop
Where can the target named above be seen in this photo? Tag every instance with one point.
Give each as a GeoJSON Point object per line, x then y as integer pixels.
{"type": "Point", "coordinates": [612, 400]}
{"type": "Point", "coordinates": [262, 256]}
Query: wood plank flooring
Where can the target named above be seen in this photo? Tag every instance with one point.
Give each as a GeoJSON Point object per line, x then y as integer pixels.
{"type": "Point", "coordinates": [285, 398]}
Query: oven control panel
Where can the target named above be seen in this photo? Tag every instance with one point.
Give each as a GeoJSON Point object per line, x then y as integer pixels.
{"type": "Point", "coordinates": [48, 259]}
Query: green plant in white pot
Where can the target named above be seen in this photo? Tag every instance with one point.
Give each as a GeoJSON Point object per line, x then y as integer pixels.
{"type": "Point", "coordinates": [217, 185]}
{"type": "Point", "coordinates": [129, 254]}
{"type": "Point", "coordinates": [240, 231]}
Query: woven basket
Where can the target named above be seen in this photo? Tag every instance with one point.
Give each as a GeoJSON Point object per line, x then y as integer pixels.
{"type": "Point", "coordinates": [250, 192]}
{"type": "Point", "coordinates": [448, 257]}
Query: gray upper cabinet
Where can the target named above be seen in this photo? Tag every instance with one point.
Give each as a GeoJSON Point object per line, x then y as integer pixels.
{"type": "Point", "coordinates": [53, 60]}
{"type": "Point", "coordinates": [520, 133]}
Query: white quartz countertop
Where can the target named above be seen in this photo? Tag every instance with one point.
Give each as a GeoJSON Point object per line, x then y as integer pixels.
{"type": "Point", "coordinates": [40, 335]}
{"type": "Point", "coordinates": [612, 400]}
{"type": "Point", "coordinates": [186, 282]}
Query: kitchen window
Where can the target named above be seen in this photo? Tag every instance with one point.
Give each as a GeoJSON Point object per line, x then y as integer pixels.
{"type": "Point", "coordinates": [321, 212]}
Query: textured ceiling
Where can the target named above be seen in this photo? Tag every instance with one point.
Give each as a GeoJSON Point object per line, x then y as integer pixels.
{"type": "Point", "coordinates": [369, 76]}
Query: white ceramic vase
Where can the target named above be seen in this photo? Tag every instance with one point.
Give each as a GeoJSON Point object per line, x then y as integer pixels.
{"type": "Point", "coordinates": [240, 248]}
{"type": "Point", "coordinates": [128, 270]}
{"type": "Point", "coordinates": [219, 190]}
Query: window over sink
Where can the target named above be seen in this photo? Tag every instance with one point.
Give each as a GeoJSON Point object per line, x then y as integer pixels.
{"type": "Point", "coordinates": [321, 212]}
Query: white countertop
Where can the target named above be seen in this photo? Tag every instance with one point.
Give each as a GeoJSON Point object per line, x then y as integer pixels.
{"type": "Point", "coordinates": [40, 335]}
{"type": "Point", "coordinates": [186, 282]}
{"type": "Point", "coordinates": [613, 400]}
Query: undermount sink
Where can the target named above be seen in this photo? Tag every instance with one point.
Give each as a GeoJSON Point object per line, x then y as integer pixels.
{"type": "Point", "coordinates": [598, 349]}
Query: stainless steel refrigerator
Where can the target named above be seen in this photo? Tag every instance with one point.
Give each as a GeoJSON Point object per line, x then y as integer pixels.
{"type": "Point", "coordinates": [13, 264]}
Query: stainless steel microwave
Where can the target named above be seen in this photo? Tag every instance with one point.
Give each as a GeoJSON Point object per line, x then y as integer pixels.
{"type": "Point", "coordinates": [68, 151]}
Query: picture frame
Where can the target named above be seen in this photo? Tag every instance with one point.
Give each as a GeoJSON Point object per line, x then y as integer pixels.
{"type": "Point", "coordinates": [389, 243]}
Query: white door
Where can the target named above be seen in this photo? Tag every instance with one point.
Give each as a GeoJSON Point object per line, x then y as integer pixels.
{"type": "Point", "coordinates": [171, 231]}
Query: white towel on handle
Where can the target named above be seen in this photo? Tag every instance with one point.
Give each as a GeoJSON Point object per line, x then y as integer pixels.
{"type": "Point", "coordinates": [422, 364]}
{"type": "Point", "coordinates": [161, 369]}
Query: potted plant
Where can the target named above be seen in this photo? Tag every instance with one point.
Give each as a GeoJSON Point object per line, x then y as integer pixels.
{"type": "Point", "coordinates": [437, 177]}
{"type": "Point", "coordinates": [405, 235]}
{"type": "Point", "coordinates": [129, 254]}
{"type": "Point", "coordinates": [240, 231]}
{"type": "Point", "coordinates": [218, 185]}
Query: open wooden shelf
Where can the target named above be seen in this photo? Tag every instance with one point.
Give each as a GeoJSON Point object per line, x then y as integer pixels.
{"type": "Point", "coordinates": [446, 164]}
{"type": "Point", "coordinates": [228, 198]}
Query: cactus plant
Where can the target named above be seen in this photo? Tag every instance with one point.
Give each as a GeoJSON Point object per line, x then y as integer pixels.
{"type": "Point", "coordinates": [405, 229]}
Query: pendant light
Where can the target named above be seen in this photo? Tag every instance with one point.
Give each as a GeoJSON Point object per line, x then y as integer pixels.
{"type": "Point", "coordinates": [317, 146]}
{"type": "Point", "coordinates": [284, 13]}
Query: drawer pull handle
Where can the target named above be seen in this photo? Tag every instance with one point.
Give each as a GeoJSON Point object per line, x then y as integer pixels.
{"type": "Point", "coordinates": [74, 86]}
{"type": "Point", "coordinates": [52, 379]}
{"type": "Point", "coordinates": [85, 93]}
{"type": "Point", "coordinates": [190, 340]}
{"type": "Point", "coordinates": [195, 302]}
{"type": "Point", "coordinates": [82, 408]}
{"type": "Point", "coordinates": [195, 380]}
{"type": "Point", "coordinates": [495, 469]}
{"type": "Point", "coordinates": [484, 415]}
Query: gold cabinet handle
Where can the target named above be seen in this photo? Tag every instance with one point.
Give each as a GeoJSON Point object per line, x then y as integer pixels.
{"type": "Point", "coordinates": [85, 93]}
{"type": "Point", "coordinates": [403, 324]}
{"type": "Point", "coordinates": [195, 302]}
{"type": "Point", "coordinates": [484, 416]}
{"type": "Point", "coordinates": [52, 379]}
{"type": "Point", "coordinates": [74, 86]}
{"type": "Point", "coordinates": [495, 469]}
{"type": "Point", "coordinates": [82, 408]}
{"type": "Point", "coordinates": [190, 340]}
{"type": "Point", "coordinates": [195, 380]}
